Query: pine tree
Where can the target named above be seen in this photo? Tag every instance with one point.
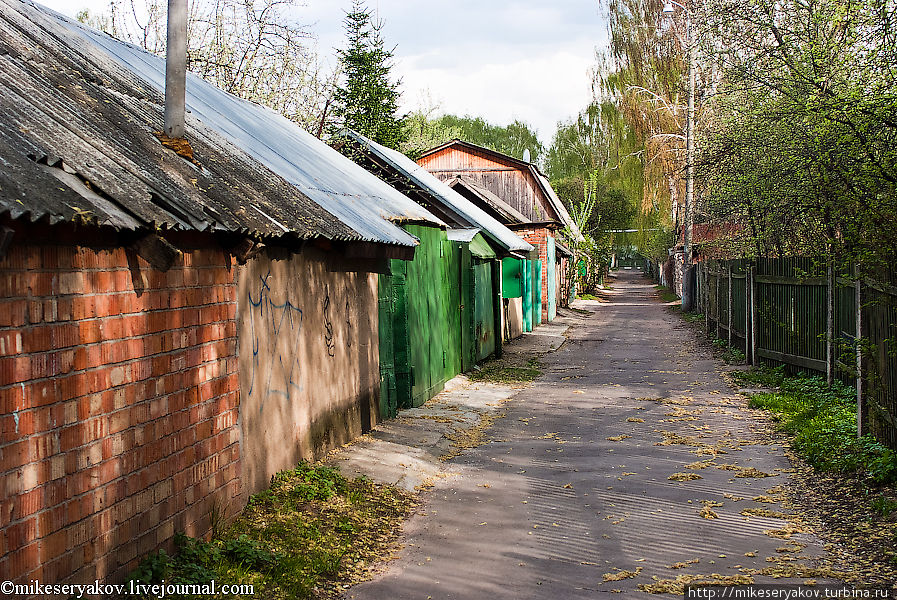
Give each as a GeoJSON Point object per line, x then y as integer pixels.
{"type": "Point", "coordinates": [366, 100]}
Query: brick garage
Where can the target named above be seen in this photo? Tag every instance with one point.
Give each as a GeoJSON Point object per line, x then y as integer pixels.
{"type": "Point", "coordinates": [120, 397]}
{"type": "Point", "coordinates": [538, 238]}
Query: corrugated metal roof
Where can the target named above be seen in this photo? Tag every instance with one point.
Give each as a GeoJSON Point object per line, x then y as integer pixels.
{"type": "Point", "coordinates": [76, 143]}
{"type": "Point", "coordinates": [359, 199]}
{"type": "Point", "coordinates": [305, 168]}
{"type": "Point", "coordinates": [442, 193]}
{"type": "Point", "coordinates": [463, 234]}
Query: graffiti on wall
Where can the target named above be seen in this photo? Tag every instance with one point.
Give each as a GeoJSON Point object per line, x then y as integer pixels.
{"type": "Point", "coordinates": [328, 325]}
{"type": "Point", "coordinates": [278, 326]}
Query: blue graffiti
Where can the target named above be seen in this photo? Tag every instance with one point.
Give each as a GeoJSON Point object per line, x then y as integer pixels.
{"type": "Point", "coordinates": [277, 319]}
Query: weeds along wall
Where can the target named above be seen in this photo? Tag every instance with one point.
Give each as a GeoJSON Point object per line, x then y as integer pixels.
{"type": "Point", "coordinates": [137, 403]}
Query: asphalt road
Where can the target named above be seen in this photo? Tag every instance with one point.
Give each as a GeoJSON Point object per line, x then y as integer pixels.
{"type": "Point", "coordinates": [573, 483]}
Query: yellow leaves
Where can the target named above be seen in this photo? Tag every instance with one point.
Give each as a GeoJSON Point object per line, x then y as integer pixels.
{"type": "Point", "coordinates": [752, 473]}
{"type": "Point", "coordinates": [784, 533]}
{"type": "Point", "coordinates": [682, 565]}
{"type": "Point", "coordinates": [764, 512]}
{"type": "Point", "coordinates": [621, 575]}
{"type": "Point", "coordinates": [766, 499]}
{"type": "Point", "coordinates": [684, 477]}
{"type": "Point", "coordinates": [677, 586]}
{"type": "Point", "coordinates": [635, 420]}
{"type": "Point", "coordinates": [618, 438]}
{"type": "Point", "coordinates": [707, 511]}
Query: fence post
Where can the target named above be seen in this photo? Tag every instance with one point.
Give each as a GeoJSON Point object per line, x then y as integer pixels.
{"type": "Point", "coordinates": [858, 290]}
{"type": "Point", "coordinates": [707, 303]}
{"type": "Point", "coordinates": [753, 313]}
{"type": "Point", "coordinates": [830, 325]}
{"type": "Point", "coordinates": [729, 310]}
{"type": "Point", "coordinates": [719, 274]}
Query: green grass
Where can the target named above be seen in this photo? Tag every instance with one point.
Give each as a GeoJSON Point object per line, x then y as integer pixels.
{"type": "Point", "coordinates": [823, 422]}
{"type": "Point", "coordinates": [311, 530]}
{"type": "Point", "coordinates": [730, 354]}
{"type": "Point", "coordinates": [499, 371]}
{"type": "Point", "coordinates": [883, 506]}
{"type": "Point", "coordinates": [666, 294]}
{"type": "Point", "coordinates": [587, 296]}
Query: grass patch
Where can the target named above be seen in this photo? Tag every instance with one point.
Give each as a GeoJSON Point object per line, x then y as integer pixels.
{"type": "Point", "coordinates": [883, 506]}
{"type": "Point", "coordinates": [823, 422]}
{"type": "Point", "coordinates": [730, 354]}
{"type": "Point", "coordinates": [666, 294]}
{"type": "Point", "coordinates": [499, 371]}
{"type": "Point", "coordinates": [587, 297]}
{"type": "Point", "coordinates": [307, 535]}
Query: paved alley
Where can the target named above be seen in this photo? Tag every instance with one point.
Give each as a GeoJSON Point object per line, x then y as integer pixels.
{"type": "Point", "coordinates": [571, 497]}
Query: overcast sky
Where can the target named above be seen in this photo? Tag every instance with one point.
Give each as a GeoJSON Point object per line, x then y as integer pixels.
{"type": "Point", "coordinates": [497, 59]}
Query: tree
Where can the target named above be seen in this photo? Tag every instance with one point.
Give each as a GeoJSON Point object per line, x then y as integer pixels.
{"type": "Point", "coordinates": [802, 147]}
{"type": "Point", "coordinates": [367, 100]}
{"type": "Point", "coordinates": [514, 139]}
{"type": "Point", "coordinates": [250, 48]}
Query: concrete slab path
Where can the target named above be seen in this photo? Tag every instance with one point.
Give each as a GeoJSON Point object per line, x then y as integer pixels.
{"type": "Point", "coordinates": [570, 494]}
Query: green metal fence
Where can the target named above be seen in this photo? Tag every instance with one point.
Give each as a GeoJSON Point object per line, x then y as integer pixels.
{"type": "Point", "coordinates": [801, 313]}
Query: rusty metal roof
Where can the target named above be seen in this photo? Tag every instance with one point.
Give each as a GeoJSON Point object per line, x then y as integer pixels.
{"type": "Point", "coordinates": [467, 213]}
{"type": "Point", "coordinates": [76, 142]}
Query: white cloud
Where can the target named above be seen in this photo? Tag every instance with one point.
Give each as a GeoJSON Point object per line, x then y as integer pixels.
{"type": "Point", "coordinates": [539, 90]}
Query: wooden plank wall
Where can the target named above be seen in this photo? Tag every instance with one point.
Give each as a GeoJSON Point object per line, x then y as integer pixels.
{"type": "Point", "coordinates": [800, 313]}
{"type": "Point", "coordinates": [514, 185]}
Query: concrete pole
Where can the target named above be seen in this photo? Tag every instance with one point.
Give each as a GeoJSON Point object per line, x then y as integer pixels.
{"type": "Point", "coordinates": [176, 69]}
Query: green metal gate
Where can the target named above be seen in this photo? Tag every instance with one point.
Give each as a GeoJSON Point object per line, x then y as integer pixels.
{"type": "Point", "coordinates": [551, 284]}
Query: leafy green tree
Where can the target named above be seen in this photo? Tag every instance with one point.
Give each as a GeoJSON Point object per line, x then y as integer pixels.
{"type": "Point", "coordinates": [801, 152]}
{"type": "Point", "coordinates": [423, 133]}
{"type": "Point", "coordinates": [514, 139]}
{"type": "Point", "coordinates": [367, 100]}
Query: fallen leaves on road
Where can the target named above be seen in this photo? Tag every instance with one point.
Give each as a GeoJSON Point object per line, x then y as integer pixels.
{"type": "Point", "coordinates": [634, 420]}
{"type": "Point", "coordinates": [683, 564]}
{"type": "Point", "coordinates": [677, 586]}
{"type": "Point", "coordinates": [785, 532]}
{"type": "Point", "coordinates": [684, 477]}
{"type": "Point", "coordinates": [621, 575]}
{"type": "Point", "coordinates": [765, 512]}
{"type": "Point", "coordinates": [618, 438]}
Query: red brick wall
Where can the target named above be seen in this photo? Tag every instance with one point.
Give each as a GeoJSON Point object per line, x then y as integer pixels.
{"type": "Point", "coordinates": [538, 238]}
{"type": "Point", "coordinates": [118, 407]}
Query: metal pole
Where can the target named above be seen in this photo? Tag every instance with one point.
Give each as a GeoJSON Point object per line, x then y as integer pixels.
{"type": "Point", "coordinates": [176, 69]}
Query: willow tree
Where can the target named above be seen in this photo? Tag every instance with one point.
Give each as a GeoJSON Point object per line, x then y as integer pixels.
{"type": "Point", "coordinates": [642, 74]}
